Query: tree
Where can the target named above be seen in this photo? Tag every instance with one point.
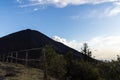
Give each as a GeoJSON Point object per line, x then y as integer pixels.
{"type": "Point", "coordinates": [55, 63]}
{"type": "Point", "coordinates": [69, 65]}
{"type": "Point", "coordinates": [83, 70]}
{"type": "Point", "coordinates": [85, 50]}
{"type": "Point", "coordinates": [118, 58]}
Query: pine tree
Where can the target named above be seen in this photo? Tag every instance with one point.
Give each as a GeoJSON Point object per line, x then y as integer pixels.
{"type": "Point", "coordinates": [85, 50]}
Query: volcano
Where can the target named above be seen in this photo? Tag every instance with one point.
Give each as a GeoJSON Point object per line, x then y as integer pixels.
{"type": "Point", "coordinates": [28, 39]}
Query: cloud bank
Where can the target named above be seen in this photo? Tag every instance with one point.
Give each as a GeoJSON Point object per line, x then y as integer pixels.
{"type": "Point", "coordinates": [73, 44]}
{"type": "Point", "coordinates": [103, 47]}
{"type": "Point", "coordinates": [109, 11]}
{"type": "Point", "coordinates": [64, 3]}
{"type": "Point", "coordinates": [115, 10]}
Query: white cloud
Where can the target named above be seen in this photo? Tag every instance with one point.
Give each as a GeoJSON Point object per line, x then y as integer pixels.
{"type": "Point", "coordinates": [110, 11]}
{"type": "Point", "coordinates": [64, 3]}
{"type": "Point", "coordinates": [115, 10]}
{"type": "Point", "coordinates": [19, 1]}
{"type": "Point", "coordinates": [35, 9]}
{"type": "Point", "coordinates": [107, 11]}
{"type": "Point", "coordinates": [104, 47]}
{"type": "Point", "coordinates": [73, 44]}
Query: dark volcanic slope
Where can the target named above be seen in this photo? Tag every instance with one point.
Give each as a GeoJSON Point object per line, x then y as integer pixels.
{"type": "Point", "coordinates": [28, 39]}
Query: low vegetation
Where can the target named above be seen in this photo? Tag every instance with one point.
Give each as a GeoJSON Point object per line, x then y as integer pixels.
{"type": "Point", "coordinates": [68, 68]}
{"type": "Point", "coordinates": [63, 67]}
{"type": "Point", "coordinates": [11, 71]}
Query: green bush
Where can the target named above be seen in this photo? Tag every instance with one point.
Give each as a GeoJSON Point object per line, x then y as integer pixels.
{"type": "Point", "coordinates": [66, 67]}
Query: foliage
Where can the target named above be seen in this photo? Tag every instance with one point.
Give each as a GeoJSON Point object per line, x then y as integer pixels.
{"type": "Point", "coordinates": [110, 70]}
{"type": "Point", "coordinates": [68, 68]}
{"type": "Point", "coordinates": [55, 63]}
{"type": "Point", "coordinates": [85, 50]}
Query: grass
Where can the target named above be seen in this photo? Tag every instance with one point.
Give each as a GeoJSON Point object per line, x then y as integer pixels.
{"type": "Point", "coordinates": [11, 71]}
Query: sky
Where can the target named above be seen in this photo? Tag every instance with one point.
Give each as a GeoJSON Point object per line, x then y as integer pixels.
{"type": "Point", "coordinates": [72, 22]}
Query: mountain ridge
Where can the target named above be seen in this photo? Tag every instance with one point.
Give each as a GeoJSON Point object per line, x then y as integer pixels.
{"type": "Point", "coordinates": [27, 39]}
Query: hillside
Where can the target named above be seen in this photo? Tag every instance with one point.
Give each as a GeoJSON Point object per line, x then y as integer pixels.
{"type": "Point", "coordinates": [11, 71]}
{"type": "Point", "coordinates": [27, 39]}
{"type": "Point", "coordinates": [58, 61]}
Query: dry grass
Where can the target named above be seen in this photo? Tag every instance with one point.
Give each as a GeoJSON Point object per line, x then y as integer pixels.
{"type": "Point", "coordinates": [20, 72]}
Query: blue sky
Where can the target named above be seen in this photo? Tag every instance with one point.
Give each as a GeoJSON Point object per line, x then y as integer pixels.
{"type": "Point", "coordinates": [72, 21]}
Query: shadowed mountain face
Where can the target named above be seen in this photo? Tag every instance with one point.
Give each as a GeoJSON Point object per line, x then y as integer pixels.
{"type": "Point", "coordinates": [28, 39]}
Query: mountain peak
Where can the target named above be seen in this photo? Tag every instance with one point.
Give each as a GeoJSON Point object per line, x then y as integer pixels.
{"type": "Point", "coordinates": [26, 30]}
{"type": "Point", "coordinates": [27, 39]}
